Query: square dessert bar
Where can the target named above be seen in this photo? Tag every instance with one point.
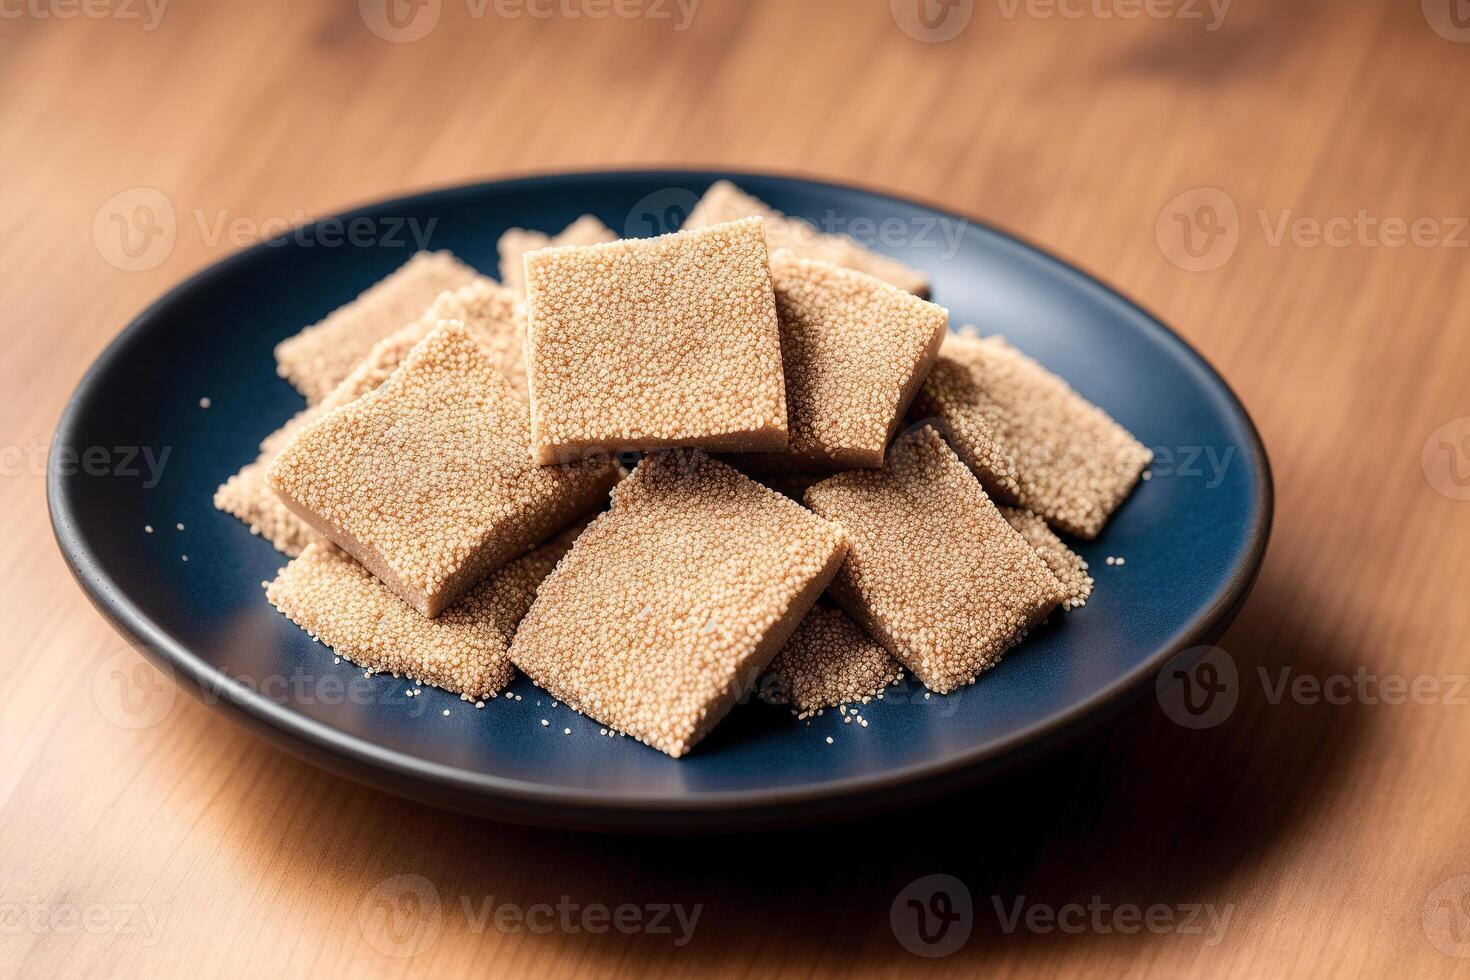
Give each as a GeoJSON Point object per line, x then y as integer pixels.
{"type": "Point", "coordinates": [828, 661]}
{"type": "Point", "coordinates": [490, 312]}
{"type": "Point", "coordinates": [1029, 437]}
{"type": "Point", "coordinates": [933, 571]}
{"type": "Point", "coordinates": [328, 594]}
{"type": "Point", "coordinates": [854, 351]}
{"type": "Point", "coordinates": [320, 356]}
{"type": "Point", "coordinates": [655, 343]}
{"type": "Point", "coordinates": [726, 202]}
{"type": "Point", "coordinates": [428, 480]}
{"type": "Point", "coordinates": [671, 604]}
{"type": "Point", "coordinates": [516, 242]}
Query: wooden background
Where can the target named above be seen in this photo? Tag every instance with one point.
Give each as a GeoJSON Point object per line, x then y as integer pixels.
{"type": "Point", "coordinates": [1333, 833]}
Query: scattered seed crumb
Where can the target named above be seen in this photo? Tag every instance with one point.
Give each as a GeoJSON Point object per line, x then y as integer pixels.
{"type": "Point", "coordinates": [147, 528]}
{"type": "Point", "coordinates": [519, 698]}
{"type": "Point", "coordinates": [545, 723]}
{"type": "Point", "coordinates": [446, 712]}
{"type": "Point", "coordinates": [1120, 560]}
{"type": "Point", "coordinates": [205, 402]}
{"type": "Point", "coordinates": [479, 704]}
{"type": "Point", "coordinates": [179, 525]}
{"type": "Point", "coordinates": [566, 731]}
{"type": "Point", "coordinates": [336, 660]}
{"type": "Point", "coordinates": [1147, 475]}
{"type": "Point", "coordinates": [185, 557]}
{"type": "Point", "coordinates": [829, 739]}
{"type": "Point", "coordinates": [926, 695]}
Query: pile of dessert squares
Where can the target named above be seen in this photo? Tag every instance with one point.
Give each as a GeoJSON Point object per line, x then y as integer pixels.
{"type": "Point", "coordinates": [657, 474]}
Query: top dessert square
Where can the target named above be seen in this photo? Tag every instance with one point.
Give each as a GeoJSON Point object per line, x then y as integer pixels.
{"type": "Point", "coordinates": [428, 481]}
{"type": "Point", "coordinates": [655, 343]}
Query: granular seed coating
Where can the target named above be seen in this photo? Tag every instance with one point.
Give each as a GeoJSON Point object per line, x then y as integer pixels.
{"type": "Point", "coordinates": [1029, 437]}
{"type": "Point", "coordinates": [428, 480]}
{"type": "Point", "coordinates": [494, 316]}
{"type": "Point", "coordinates": [340, 603]}
{"type": "Point", "coordinates": [320, 356]}
{"type": "Point", "coordinates": [828, 661]}
{"type": "Point", "coordinates": [854, 351]}
{"type": "Point", "coordinates": [516, 242]}
{"type": "Point", "coordinates": [655, 343]}
{"type": "Point", "coordinates": [726, 202]}
{"type": "Point", "coordinates": [492, 313]}
{"type": "Point", "coordinates": [1068, 566]}
{"type": "Point", "coordinates": [671, 603]}
{"type": "Point", "coordinates": [934, 572]}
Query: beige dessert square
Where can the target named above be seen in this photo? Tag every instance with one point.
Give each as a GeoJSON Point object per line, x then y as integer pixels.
{"type": "Point", "coordinates": [1068, 566]}
{"type": "Point", "coordinates": [428, 480]}
{"type": "Point", "coordinates": [726, 202]}
{"type": "Point", "coordinates": [320, 356]}
{"type": "Point", "coordinates": [328, 594]}
{"type": "Point", "coordinates": [933, 572]}
{"type": "Point", "coordinates": [1029, 437]}
{"type": "Point", "coordinates": [516, 242]}
{"type": "Point", "coordinates": [655, 343]}
{"type": "Point", "coordinates": [671, 604]}
{"type": "Point", "coordinates": [854, 351]}
{"type": "Point", "coordinates": [828, 661]}
{"type": "Point", "coordinates": [492, 313]}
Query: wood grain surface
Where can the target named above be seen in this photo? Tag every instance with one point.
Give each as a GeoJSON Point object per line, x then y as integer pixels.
{"type": "Point", "coordinates": [1323, 834]}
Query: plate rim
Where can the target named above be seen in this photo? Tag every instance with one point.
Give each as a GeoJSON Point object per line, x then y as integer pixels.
{"type": "Point", "coordinates": [514, 799]}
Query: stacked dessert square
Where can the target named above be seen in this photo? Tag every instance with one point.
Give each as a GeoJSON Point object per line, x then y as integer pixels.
{"type": "Point", "coordinates": [827, 487]}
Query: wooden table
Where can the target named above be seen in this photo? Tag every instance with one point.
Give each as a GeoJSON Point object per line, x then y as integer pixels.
{"type": "Point", "coordinates": [1332, 835]}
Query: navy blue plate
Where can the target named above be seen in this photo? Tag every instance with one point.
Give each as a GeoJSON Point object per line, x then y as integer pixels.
{"type": "Point", "coordinates": [1193, 536]}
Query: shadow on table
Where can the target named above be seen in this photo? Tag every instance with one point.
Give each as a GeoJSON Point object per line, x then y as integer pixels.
{"type": "Point", "coordinates": [1143, 814]}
